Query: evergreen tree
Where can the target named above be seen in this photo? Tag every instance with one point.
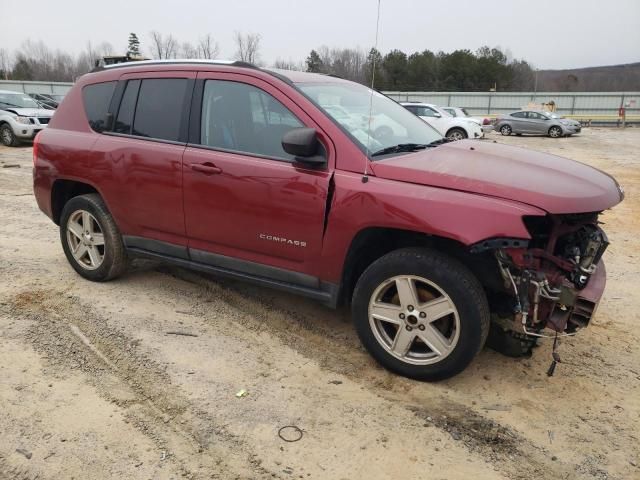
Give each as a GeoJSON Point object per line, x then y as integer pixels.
{"type": "Point", "coordinates": [134, 45]}
{"type": "Point", "coordinates": [374, 66]}
{"type": "Point", "coordinates": [314, 62]}
{"type": "Point", "coordinates": [395, 68]}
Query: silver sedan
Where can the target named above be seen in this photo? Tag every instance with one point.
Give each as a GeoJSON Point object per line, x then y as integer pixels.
{"type": "Point", "coordinates": [541, 123]}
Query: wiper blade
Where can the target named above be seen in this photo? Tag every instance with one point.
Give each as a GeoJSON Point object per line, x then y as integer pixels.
{"type": "Point", "coordinates": [401, 147]}
{"type": "Point", "coordinates": [440, 141]}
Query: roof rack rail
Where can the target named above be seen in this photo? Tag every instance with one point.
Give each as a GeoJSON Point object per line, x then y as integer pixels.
{"type": "Point", "coordinates": [231, 63]}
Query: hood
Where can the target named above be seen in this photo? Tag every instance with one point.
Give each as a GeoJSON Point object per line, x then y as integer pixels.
{"type": "Point", "coordinates": [31, 112]}
{"type": "Point", "coordinates": [555, 184]}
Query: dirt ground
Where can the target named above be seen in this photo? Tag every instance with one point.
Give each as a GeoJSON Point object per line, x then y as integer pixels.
{"type": "Point", "coordinates": [93, 386]}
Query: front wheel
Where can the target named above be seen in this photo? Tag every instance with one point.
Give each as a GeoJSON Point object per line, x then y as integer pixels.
{"type": "Point", "coordinates": [457, 134]}
{"type": "Point", "coordinates": [420, 313]}
{"type": "Point", "coordinates": [555, 132]}
{"type": "Point", "coordinates": [7, 137]}
{"type": "Point", "coordinates": [91, 240]}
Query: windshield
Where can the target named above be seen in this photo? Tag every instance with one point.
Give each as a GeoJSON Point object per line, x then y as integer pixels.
{"type": "Point", "coordinates": [390, 124]}
{"type": "Point", "coordinates": [553, 115]}
{"type": "Point", "coordinates": [17, 100]}
{"type": "Point", "coordinates": [464, 110]}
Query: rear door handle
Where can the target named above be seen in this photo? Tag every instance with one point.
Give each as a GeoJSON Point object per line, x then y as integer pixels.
{"type": "Point", "coordinates": [207, 168]}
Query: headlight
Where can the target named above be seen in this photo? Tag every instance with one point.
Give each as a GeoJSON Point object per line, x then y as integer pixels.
{"type": "Point", "coordinates": [25, 120]}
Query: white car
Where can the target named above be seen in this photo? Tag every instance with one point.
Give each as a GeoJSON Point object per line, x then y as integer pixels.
{"type": "Point", "coordinates": [21, 117]}
{"type": "Point", "coordinates": [484, 123]}
{"type": "Point", "coordinates": [448, 126]}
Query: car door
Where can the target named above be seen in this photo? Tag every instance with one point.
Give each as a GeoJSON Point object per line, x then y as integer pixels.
{"type": "Point", "coordinates": [538, 123]}
{"type": "Point", "coordinates": [247, 202]}
{"type": "Point", "coordinates": [144, 149]}
{"type": "Point", "coordinates": [518, 122]}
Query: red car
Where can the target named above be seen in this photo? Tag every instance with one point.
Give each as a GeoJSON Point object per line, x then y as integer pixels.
{"type": "Point", "coordinates": [272, 177]}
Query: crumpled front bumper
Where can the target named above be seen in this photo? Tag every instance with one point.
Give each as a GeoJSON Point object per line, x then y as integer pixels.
{"type": "Point", "coordinates": [574, 317]}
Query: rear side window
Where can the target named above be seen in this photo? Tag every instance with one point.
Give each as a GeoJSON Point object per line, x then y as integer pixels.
{"type": "Point", "coordinates": [159, 110]}
{"type": "Point", "coordinates": [124, 121]}
{"type": "Point", "coordinates": [96, 100]}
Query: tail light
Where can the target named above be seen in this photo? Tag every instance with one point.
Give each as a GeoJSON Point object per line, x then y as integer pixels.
{"type": "Point", "coordinates": [36, 142]}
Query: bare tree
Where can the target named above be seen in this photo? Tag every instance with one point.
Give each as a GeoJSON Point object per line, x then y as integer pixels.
{"type": "Point", "coordinates": [347, 63]}
{"type": "Point", "coordinates": [187, 50]}
{"type": "Point", "coordinates": [208, 47]}
{"type": "Point", "coordinates": [87, 59]}
{"type": "Point", "coordinates": [157, 45]}
{"type": "Point", "coordinates": [163, 46]}
{"type": "Point", "coordinates": [5, 63]}
{"type": "Point", "coordinates": [289, 65]}
{"type": "Point", "coordinates": [248, 47]}
{"type": "Point", "coordinates": [170, 47]}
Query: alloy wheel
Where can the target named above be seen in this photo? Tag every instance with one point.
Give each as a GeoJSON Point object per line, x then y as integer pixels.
{"type": "Point", "coordinates": [555, 132]}
{"type": "Point", "coordinates": [414, 320]}
{"type": "Point", "coordinates": [7, 136]}
{"type": "Point", "coordinates": [457, 135]}
{"type": "Point", "coordinates": [85, 239]}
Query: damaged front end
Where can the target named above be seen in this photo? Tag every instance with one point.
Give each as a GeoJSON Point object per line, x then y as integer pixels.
{"type": "Point", "coordinates": [553, 281]}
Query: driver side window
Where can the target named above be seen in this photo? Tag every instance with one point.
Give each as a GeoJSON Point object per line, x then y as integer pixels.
{"type": "Point", "coordinates": [243, 118]}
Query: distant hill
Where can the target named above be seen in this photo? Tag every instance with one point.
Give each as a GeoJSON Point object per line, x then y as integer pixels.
{"type": "Point", "coordinates": [612, 78]}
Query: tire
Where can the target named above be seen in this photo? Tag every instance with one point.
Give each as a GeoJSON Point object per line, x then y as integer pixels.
{"type": "Point", "coordinates": [462, 321]}
{"type": "Point", "coordinates": [555, 132]}
{"type": "Point", "coordinates": [7, 137]}
{"type": "Point", "coordinates": [457, 134]}
{"type": "Point", "coordinates": [506, 130]}
{"type": "Point", "coordinates": [99, 255]}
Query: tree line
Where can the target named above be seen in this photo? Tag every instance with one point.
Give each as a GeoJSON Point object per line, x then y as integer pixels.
{"type": "Point", "coordinates": [461, 70]}
{"type": "Point", "coordinates": [34, 60]}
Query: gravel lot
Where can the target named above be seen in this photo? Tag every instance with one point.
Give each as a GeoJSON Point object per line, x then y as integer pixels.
{"type": "Point", "coordinates": [92, 386]}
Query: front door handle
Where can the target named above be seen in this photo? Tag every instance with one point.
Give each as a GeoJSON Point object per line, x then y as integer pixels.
{"type": "Point", "coordinates": [207, 168]}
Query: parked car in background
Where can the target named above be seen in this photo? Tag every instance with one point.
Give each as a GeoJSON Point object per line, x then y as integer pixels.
{"type": "Point", "coordinates": [21, 117]}
{"type": "Point", "coordinates": [448, 126]}
{"type": "Point", "coordinates": [48, 101]}
{"type": "Point", "coordinates": [536, 122]}
{"type": "Point", "coordinates": [458, 112]}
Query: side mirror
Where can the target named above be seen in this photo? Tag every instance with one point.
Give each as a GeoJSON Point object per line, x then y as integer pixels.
{"type": "Point", "coordinates": [437, 115]}
{"type": "Point", "coordinates": [303, 144]}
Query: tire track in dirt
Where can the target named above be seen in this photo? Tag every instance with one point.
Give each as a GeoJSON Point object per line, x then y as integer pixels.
{"type": "Point", "coordinates": [71, 336]}
{"type": "Point", "coordinates": [334, 345]}
{"type": "Point", "coordinates": [82, 340]}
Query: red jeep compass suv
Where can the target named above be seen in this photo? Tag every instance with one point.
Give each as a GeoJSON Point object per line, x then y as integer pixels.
{"type": "Point", "coordinates": [319, 186]}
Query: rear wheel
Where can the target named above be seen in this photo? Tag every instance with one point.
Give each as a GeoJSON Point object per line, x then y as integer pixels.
{"type": "Point", "coordinates": [7, 137]}
{"type": "Point", "coordinates": [505, 130]}
{"type": "Point", "coordinates": [555, 132]}
{"type": "Point", "coordinates": [457, 134]}
{"type": "Point", "coordinates": [420, 313]}
{"type": "Point", "coordinates": [91, 240]}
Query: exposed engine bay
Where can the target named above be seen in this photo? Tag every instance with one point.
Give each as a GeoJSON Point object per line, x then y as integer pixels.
{"type": "Point", "coordinates": [554, 281]}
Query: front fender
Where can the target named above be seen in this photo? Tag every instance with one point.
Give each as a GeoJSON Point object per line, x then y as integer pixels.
{"type": "Point", "coordinates": [464, 217]}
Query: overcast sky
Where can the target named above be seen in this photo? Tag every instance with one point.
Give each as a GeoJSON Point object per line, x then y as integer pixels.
{"type": "Point", "coordinates": [547, 33]}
